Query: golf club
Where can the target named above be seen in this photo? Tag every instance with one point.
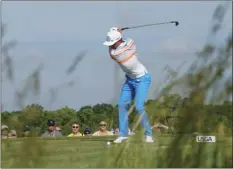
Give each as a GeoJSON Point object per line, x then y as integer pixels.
{"type": "Point", "coordinates": [161, 23]}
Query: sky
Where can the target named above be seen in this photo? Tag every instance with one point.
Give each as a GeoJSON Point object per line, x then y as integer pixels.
{"type": "Point", "coordinates": [53, 33]}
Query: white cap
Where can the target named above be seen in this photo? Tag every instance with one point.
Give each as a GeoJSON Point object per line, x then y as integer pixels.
{"type": "Point", "coordinates": [4, 127]}
{"type": "Point", "coordinates": [113, 29]}
{"type": "Point", "coordinates": [112, 37]}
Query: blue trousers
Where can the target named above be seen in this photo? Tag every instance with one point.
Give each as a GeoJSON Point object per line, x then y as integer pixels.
{"type": "Point", "coordinates": [136, 89]}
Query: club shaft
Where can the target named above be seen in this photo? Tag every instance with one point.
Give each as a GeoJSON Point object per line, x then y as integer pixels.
{"type": "Point", "coordinates": [161, 23]}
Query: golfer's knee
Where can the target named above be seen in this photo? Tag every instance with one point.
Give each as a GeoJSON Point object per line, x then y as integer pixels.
{"type": "Point", "coordinates": [139, 109]}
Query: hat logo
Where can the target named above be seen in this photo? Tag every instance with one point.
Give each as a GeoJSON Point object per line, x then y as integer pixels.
{"type": "Point", "coordinates": [108, 39]}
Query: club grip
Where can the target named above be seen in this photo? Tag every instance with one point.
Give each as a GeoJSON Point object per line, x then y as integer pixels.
{"type": "Point", "coordinates": [125, 28]}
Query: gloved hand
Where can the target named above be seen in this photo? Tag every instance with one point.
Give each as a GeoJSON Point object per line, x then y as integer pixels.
{"type": "Point", "coordinates": [116, 29]}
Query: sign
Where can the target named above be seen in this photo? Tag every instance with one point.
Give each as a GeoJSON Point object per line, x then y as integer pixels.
{"type": "Point", "coordinates": [208, 139]}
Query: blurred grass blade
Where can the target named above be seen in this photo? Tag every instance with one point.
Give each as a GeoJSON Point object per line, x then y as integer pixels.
{"type": "Point", "coordinates": [76, 61]}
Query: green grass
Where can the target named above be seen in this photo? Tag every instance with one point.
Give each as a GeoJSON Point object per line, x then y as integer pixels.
{"type": "Point", "coordinates": [94, 152]}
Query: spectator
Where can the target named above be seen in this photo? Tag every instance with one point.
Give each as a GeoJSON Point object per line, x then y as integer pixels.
{"type": "Point", "coordinates": [112, 131]}
{"type": "Point", "coordinates": [116, 131]}
{"type": "Point", "coordinates": [87, 132]}
{"type": "Point", "coordinates": [9, 135]}
{"type": "Point", "coordinates": [102, 130]}
{"type": "Point", "coordinates": [75, 130]}
{"type": "Point", "coordinates": [58, 128]}
{"type": "Point", "coordinates": [4, 131]}
{"type": "Point", "coordinates": [131, 132]}
{"type": "Point", "coordinates": [51, 132]}
{"type": "Point", "coordinates": [159, 127]}
{"type": "Point", "coordinates": [12, 134]}
{"type": "Point", "coordinates": [26, 131]}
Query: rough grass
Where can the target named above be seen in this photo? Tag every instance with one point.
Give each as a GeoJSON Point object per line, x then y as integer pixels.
{"type": "Point", "coordinates": [94, 152]}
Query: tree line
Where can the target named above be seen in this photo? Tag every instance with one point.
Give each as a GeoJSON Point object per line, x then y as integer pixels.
{"type": "Point", "coordinates": [167, 111]}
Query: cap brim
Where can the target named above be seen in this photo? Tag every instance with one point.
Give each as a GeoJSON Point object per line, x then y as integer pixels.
{"type": "Point", "coordinates": [106, 43]}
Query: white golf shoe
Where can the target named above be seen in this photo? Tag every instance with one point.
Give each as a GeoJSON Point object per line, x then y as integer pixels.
{"type": "Point", "coordinates": [120, 139]}
{"type": "Point", "coordinates": [149, 139]}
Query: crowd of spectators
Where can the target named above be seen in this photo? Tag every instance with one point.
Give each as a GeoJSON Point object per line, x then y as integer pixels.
{"type": "Point", "coordinates": [53, 130]}
{"type": "Point", "coordinates": [6, 133]}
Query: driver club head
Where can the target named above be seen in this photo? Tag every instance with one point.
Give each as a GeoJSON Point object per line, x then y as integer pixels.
{"type": "Point", "coordinates": [175, 22]}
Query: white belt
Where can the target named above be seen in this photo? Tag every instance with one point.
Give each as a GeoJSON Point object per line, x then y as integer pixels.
{"type": "Point", "coordinates": [143, 74]}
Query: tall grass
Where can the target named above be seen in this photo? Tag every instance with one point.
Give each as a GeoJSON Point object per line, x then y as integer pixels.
{"type": "Point", "coordinates": [181, 151]}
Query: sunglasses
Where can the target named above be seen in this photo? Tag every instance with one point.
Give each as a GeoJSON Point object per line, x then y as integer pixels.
{"type": "Point", "coordinates": [102, 124]}
{"type": "Point", "coordinates": [75, 127]}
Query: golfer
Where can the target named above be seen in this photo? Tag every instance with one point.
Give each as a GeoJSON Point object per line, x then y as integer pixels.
{"type": "Point", "coordinates": [137, 83]}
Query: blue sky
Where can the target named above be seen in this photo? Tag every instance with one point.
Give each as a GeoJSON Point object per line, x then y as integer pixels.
{"type": "Point", "coordinates": [54, 32]}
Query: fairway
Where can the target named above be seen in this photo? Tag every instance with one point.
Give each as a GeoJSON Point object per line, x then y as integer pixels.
{"type": "Point", "coordinates": [87, 152]}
